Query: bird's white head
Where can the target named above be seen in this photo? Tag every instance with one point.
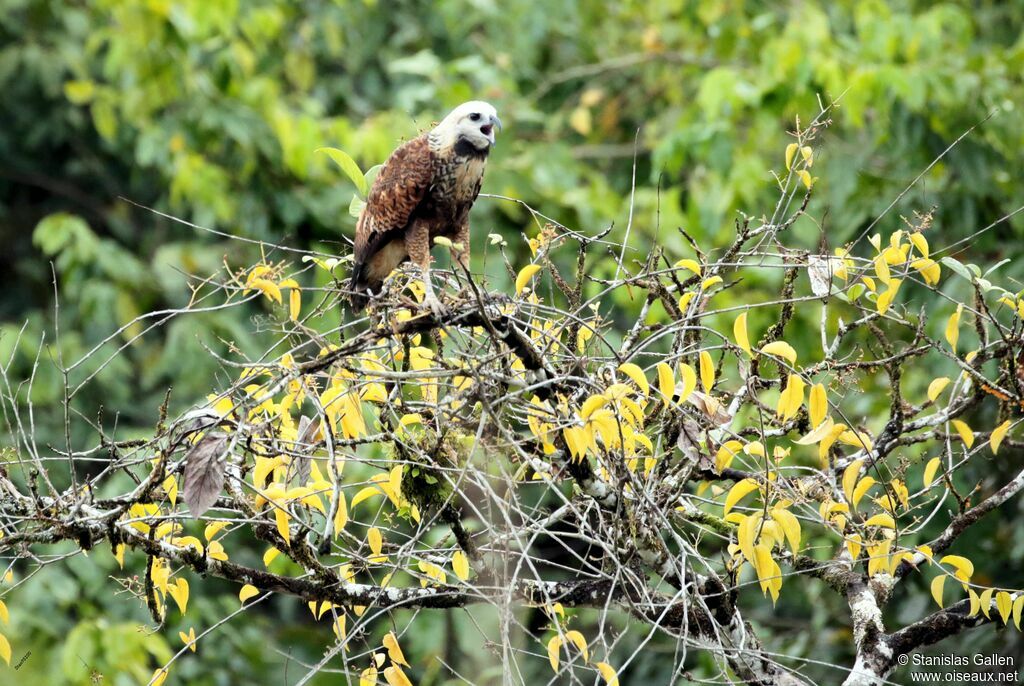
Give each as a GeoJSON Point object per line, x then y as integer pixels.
{"type": "Point", "coordinates": [470, 126]}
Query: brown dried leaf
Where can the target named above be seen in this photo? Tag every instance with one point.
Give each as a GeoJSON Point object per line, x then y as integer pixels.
{"type": "Point", "coordinates": [301, 465]}
{"type": "Point", "coordinates": [204, 473]}
{"type": "Point", "coordinates": [712, 408]}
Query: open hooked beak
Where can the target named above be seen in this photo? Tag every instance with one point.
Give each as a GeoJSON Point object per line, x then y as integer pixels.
{"type": "Point", "coordinates": [488, 129]}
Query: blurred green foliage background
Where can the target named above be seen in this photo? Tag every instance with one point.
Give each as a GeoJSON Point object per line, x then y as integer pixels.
{"type": "Point", "coordinates": [210, 110]}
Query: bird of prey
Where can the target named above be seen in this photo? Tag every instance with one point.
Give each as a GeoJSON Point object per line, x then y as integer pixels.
{"type": "Point", "coordinates": [424, 190]}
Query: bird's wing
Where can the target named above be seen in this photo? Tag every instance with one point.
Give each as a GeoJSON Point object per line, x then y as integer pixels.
{"type": "Point", "coordinates": [399, 188]}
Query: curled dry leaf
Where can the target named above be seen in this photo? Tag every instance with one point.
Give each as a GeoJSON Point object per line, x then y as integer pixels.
{"type": "Point", "coordinates": [820, 269]}
{"type": "Point", "coordinates": [712, 408]}
{"type": "Point", "coordinates": [204, 473]}
{"type": "Point", "coordinates": [301, 466]}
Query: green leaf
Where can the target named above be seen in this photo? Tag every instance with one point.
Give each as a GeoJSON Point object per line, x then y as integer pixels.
{"type": "Point", "coordinates": [356, 206]}
{"type": "Point", "coordinates": [958, 267]}
{"type": "Point", "coordinates": [79, 92]}
{"type": "Point", "coordinates": [349, 166]}
{"type": "Point", "coordinates": [371, 175]}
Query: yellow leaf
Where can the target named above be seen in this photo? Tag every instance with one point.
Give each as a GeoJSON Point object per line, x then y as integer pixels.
{"type": "Point", "coordinates": [817, 404]}
{"type": "Point", "coordinates": [755, 448]}
{"type": "Point", "coordinates": [739, 332]}
{"type": "Point", "coordinates": [368, 677]}
{"type": "Point", "coordinates": [726, 454]}
{"type": "Point", "coordinates": [179, 591]}
{"type": "Point", "coordinates": [396, 677]}
{"type": "Point", "coordinates": [878, 558]}
{"type": "Point", "coordinates": [821, 431]}
{"type": "Point", "coordinates": [215, 551]}
{"type": "Point", "coordinates": [763, 565]}
{"type": "Point", "coordinates": [781, 349]}
{"type": "Point", "coordinates": [666, 381]}
{"type": "Point", "coordinates": [853, 544]}
{"type": "Point", "coordinates": [608, 672]}
{"type": "Point", "coordinates": [858, 439]}
{"type": "Point", "coordinates": [998, 434]}
{"type": "Point", "coordinates": [636, 375]}
{"type": "Point", "coordinates": [369, 491]}
{"type": "Point", "coordinates": [338, 626]}
{"type": "Point", "coordinates": [248, 591]}
{"type": "Point", "coordinates": [882, 270]}
{"type": "Point", "coordinates": [689, 378]}
{"type": "Point", "coordinates": [964, 567]}
{"type": "Point", "coordinates": [554, 645]}
{"type": "Point", "coordinates": [1004, 603]}
{"type": "Point", "coordinates": [4, 614]}
{"type": "Point", "coordinates": [294, 304]}
{"type": "Point", "coordinates": [390, 642]}
{"type": "Point", "coordinates": [885, 299]}
{"type": "Point", "coordinates": [1018, 609]}
{"type": "Point", "coordinates": [850, 477]}
{"type": "Point", "coordinates": [189, 639]}
{"type": "Point", "coordinates": [269, 556]}
{"type": "Point", "coordinates": [212, 529]}
{"type": "Point", "coordinates": [921, 243]}
{"type": "Point", "coordinates": [808, 154]}
{"type": "Point", "coordinates": [706, 284]}
{"type": "Point", "coordinates": [938, 583]}
{"type": "Point", "coordinates": [341, 516]}
{"type": "Point", "coordinates": [375, 539]}
{"type": "Point", "coordinates": [691, 265]}
{"type": "Point", "coordinates": [985, 600]}
{"type": "Point", "coordinates": [898, 559]}
{"type": "Point", "coordinates": [580, 120]}
{"type": "Point", "coordinates": [975, 599]}
{"type": "Point", "coordinates": [119, 554]}
{"type": "Point", "coordinates": [746, 532]}
{"type": "Point", "coordinates": [792, 397]}
{"type": "Point", "coordinates": [930, 469]}
{"type": "Point", "coordinates": [790, 527]}
{"type": "Point", "coordinates": [901, 493]}
{"type": "Point", "coordinates": [805, 177]}
{"type": "Point", "coordinates": [930, 270]}
{"type": "Point", "coordinates": [966, 435]}
{"type": "Point", "coordinates": [525, 274]}
{"type": "Point", "coordinates": [268, 288]}
{"type": "Point", "coordinates": [737, 492]}
{"type": "Point", "coordinates": [580, 642]}
{"type": "Point", "coordinates": [882, 519]}
{"type": "Point", "coordinates": [158, 678]}
{"type": "Point", "coordinates": [460, 565]}
{"type": "Point", "coordinates": [592, 404]}
{"type": "Point", "coordinates": [936, 387]}
{"type": "Point", "coordinates": [281, 517]}
{"type": "Point", "coordinates": [790, 153]}
{"type": "Point", "coordinates": [953, 327]}
{"type": "Point", "coordinates": [861, 489]}
{"type": "Point", "coordinates": [707, 371]}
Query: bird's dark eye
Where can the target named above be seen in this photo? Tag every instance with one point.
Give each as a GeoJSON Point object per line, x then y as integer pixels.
{"type": "Point", "coordinates": [475, 116]}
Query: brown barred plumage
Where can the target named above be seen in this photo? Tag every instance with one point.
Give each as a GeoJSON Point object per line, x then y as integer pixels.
{"type": "Point", "coordinates": [424, 190]}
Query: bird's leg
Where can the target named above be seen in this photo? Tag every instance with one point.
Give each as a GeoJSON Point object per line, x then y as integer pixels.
{"type": "Point", "coordinates": [460, 247]}
{"type": "Point", "coordinates": [417, 244]}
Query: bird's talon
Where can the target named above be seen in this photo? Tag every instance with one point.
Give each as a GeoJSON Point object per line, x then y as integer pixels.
{"type": "Point", "coordinates": [434, 305]}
